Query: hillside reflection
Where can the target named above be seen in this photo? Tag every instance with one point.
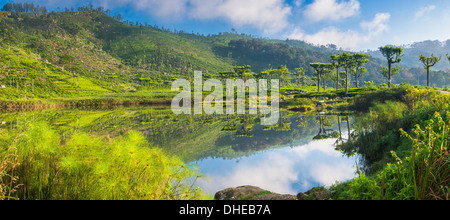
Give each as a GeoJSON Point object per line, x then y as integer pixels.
{"type": "Point", "coordinates": [295, 154]}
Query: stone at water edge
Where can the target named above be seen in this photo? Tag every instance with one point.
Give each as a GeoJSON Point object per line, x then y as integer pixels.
{"type": "Point", "coordinates": [250, 192]}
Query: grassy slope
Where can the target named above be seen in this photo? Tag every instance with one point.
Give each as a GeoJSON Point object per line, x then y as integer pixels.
{"type": "Point", "coordinates": [89, 55]}
{"type": "Point", "coordinates": [83, 54]}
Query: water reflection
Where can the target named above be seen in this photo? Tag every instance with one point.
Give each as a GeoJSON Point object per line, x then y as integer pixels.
{"type": "Point", "coordinates": [291, 156]}
{"type": "Point", "coordinates": [300, 162]}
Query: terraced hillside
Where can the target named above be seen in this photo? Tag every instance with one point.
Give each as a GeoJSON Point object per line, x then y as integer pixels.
{"type": "Point", "coordinates": [89, 53]}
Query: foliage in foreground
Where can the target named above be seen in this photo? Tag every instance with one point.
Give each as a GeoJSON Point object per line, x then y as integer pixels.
{"type": "Point", "coordinates": [423, 175]}
{"type": "Point", "coordinates": [39, 164]}
{"type": "Point", "coordinates": [419, 167]}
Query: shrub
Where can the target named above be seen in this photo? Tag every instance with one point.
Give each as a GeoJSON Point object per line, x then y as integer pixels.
{"type": "Point", "coordinates": [363, 188]}
{"type": "Point", "coordinates": [425, 174]}
{"type": "Point", "coordinates": [363, 102]}
{"type": "Point", "coordinates": [369, 84]}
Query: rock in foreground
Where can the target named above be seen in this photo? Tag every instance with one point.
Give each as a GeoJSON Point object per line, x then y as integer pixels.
{"type": "Point", "coordinates": [256, 193]}
{"type": "Point", "coordinates": [250, 193]}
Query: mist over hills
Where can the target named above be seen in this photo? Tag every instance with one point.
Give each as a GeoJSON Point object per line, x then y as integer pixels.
{"type": "Point", "coordinates": [413, 51]}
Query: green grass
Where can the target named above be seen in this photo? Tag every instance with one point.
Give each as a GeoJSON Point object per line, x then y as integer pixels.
{"type": "Point", "coordinates": [28, 77]}
{"type": "Point", "coordinates": [308, 98]}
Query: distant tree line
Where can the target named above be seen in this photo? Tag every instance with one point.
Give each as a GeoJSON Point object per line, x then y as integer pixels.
{"type": "Point", "coordinates": [261, 55]}
{"type": "Point", "coordinates": [24, 7]}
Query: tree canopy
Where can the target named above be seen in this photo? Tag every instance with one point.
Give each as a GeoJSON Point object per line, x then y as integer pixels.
{"type": "Point", "coordinates": [336, 62]}
{"type": "Point", "coordinates": [320, 70]}
{"type": "Point", "coordinates": [428, 63]}
{"type": "Point", "coordinates": [359, 60]}
{"type": "Point", "coordinates": [24, 7]}
{"type": "Point", "coordinates": [393, 55]}
{"type": "Point", "coordinates": [347, 61]}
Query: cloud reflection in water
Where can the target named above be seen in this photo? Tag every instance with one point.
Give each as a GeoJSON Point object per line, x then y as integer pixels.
{"type": "Point", "coordinates": [285, 170]}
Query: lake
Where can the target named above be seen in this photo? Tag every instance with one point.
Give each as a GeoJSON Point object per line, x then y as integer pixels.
{"type": "Point", "coordinates": [293, 156]}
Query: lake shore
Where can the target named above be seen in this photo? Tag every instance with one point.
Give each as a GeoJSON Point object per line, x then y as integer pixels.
{"type": "Point", "coordinates": [65, 103]}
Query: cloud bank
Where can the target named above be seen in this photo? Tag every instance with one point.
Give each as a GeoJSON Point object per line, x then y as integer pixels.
{"type": "Point", "coordinates": [347, 39]}
{"type": "Point", "coordinates": [269, 16]}
{"type": "Point", "coordinates": [333, 10]}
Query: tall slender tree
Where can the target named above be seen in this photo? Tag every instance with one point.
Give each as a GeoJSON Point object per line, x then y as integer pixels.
{"type": "Point", "coordinates": [359, 60]}
{"type": "Point", "coordinates": [300, 72]}
{"type": "Point", "coordinates": [282, 73]}
{"type": "Point", "coordinates": [428, 63]}
{"type": "Point", "coordinates": [393, 55]}
{"type": "Point", "coordinates": [243, 72]}
{"type": "Point", "coordinates": [317, 67]}
{"type": "Point", "coordinates": [335, 61]}
{"type": "Point", "coordinates": [346, 59]}
{"type": "Point", "coordinates": [385, 71]}
{"type": "Point", "coordinates": [327, 74]}
{"type": "Point", "coordinates": [320, 70]}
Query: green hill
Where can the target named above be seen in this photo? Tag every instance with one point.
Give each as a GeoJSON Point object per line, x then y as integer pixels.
{"type": "Point", "coordinates": [89, 53]}
{"type": "Point", "coordinates": [85, 53]}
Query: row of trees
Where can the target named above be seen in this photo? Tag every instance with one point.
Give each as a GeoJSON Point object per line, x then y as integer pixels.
{"type": "Point", "coordinates": [356, 65]}
{"type": "Point", "coordinates": [30, 7]}
{"type": "Point", "coordinates": [352, 64]}
{"type": "Point", "coordinates": [263, 55]}
{"type": "Point", "coordinates": [282, 73]}
{"type": "Point", "coordinates": [24, 7]}
{"type": "Point", "coordinates": [394, 55]}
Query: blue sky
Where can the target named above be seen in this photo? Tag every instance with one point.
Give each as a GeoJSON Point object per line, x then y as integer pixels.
{"type": "Point", "coordinates": [350, 24]}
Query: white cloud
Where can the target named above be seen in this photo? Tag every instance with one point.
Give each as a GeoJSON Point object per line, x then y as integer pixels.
{"type": "Point", "coordinates": [270, 16]}
{"type": "Point", "coordinates": [298, 3]}
{"type": "Point", "coordinates": [328, 174]}
{"type": "Point", "coordinates": [322, 146]}
{"type": "Point", "coordinates": [331, 10]}
{"type": "Point", "coordinates": [378, 25]}
{"type": "Point", "coordinates": [424, 10]}
{"type": "Point", "coordinates": [274, 172]}
{"type": "Point", "coordinates": [331, 35]}
{"type": "Point", "coordinates": [349, 39]}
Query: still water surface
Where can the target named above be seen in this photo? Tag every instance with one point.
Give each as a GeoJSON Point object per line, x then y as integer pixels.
{"type": "Point", "coordinates": [291, 157]}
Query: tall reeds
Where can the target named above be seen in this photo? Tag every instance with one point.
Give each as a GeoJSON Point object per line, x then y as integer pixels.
{"type": "Point", "coordinates": [8, 179]}
{"type": "Point", "coordinates": [36, 166]}
{"type": "Point", "coordinates": [425, 173]}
